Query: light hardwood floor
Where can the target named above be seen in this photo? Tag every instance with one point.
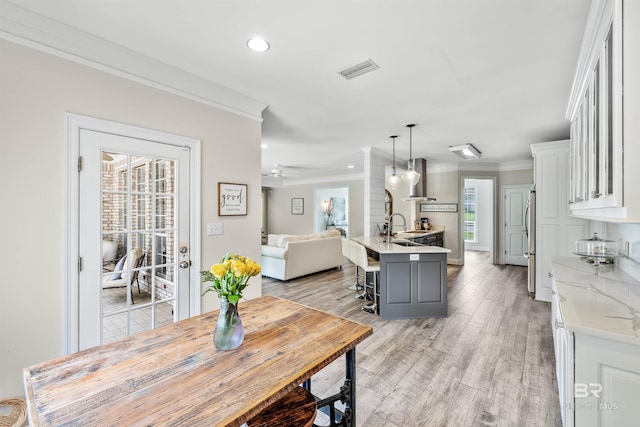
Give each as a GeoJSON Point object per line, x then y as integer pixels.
{"type": "Point", "coordinates": [489, 363]}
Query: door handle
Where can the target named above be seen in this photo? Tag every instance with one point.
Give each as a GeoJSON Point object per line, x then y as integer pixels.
{"type": "Point", "coordinates": [184, 264]}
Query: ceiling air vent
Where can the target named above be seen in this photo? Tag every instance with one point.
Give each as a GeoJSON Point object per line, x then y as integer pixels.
{"type": "Point", "coordinates": [358, 69]}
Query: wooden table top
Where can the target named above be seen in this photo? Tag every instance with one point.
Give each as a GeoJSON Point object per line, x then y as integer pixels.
{"type": "Point", "coordinates": [175, 376]}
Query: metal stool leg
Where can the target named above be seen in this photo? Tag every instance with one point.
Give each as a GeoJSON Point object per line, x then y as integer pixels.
{"type": "Point", "coordinates": [364, 294]}
{"type": "Point", "coordinates": [356, 286]}
{"type": "Point", "coordinates": [373, 307]}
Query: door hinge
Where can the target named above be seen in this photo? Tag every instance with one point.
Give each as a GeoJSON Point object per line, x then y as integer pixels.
{"type": "Point", "coordinates": [79, 163]}
{"type": "Point", "coordinates": [79, 264]}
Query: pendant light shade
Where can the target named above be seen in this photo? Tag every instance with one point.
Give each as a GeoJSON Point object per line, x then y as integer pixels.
{"type": "Point", "coordinates": [394, 180]}
{"type": "Point", "coordinates": [411, 177]}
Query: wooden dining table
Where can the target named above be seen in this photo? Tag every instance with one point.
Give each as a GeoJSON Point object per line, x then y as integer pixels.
{"type": "Point", "coordinates": [175, 376]}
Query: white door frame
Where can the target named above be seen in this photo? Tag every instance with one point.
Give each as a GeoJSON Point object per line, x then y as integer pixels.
{"type": "Point", "coordinates": [494, 188]}
{"type": "Point", "coordinates": [73, 124]}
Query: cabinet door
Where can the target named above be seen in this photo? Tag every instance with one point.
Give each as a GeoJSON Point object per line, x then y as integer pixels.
{"type": "Point", "coordinates": [610, 180]}
{"type": "Point", "coordinates": [607, 378]}
{"type": "Point", "coordinates": [413, 288]}
{"type": "Point", "coordinates": [596, 126]}
{"type": "Point", "coordinates": [563, 347]}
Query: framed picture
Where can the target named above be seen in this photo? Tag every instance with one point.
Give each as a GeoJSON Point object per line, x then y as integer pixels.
{"type": "Point", "coordinates": [439, 207]}
{"type": "Point", "coordinates": [297, 206]}
{"type": "Point", "coordinates": [232, 199]}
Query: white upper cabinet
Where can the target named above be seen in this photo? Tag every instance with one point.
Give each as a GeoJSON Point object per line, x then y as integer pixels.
{"type": "Point", "coordinates": [605, 130]}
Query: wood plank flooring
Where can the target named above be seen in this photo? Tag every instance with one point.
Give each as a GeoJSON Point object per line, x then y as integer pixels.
{"type": "Point", "coordinates": [489, 363]}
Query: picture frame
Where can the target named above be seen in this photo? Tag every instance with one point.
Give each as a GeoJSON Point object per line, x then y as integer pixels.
{"type": "Point", "coordinates": [232, 199]}
{"type": "Point", "coordinates": [297, 206]}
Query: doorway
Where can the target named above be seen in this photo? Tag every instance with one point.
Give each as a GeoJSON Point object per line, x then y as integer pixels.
{"type": "Point", "coordinates": [478, 215]}
{"type": "Point", "coordinates": [135, 231]}
{"type": "Point", "coordinates": [331, 209]}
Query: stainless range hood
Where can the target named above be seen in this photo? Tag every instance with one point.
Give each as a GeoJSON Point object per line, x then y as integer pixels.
{"type": "Point", "coordinates": [418, 193]}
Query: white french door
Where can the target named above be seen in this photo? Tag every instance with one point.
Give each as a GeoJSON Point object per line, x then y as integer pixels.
{"type": "Point", "coordinates": [134, 231]}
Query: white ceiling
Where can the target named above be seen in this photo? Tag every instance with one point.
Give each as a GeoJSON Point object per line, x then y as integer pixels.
{"type": "Point", "coordinates": [495, 73]}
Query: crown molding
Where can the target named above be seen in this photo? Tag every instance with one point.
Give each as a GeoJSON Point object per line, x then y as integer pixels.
{"type": "Point", "coordinates": [33, 30]}
{"type": "Point", "coordinates": [269, 182]}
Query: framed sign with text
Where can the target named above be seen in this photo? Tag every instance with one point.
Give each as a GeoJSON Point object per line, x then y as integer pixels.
{"type": "Point", "coordinates": [232, 199]}
{"type": "Point", "coordinates": [439, 207]}
{"type": "Point", "coordinates": [297, 206]}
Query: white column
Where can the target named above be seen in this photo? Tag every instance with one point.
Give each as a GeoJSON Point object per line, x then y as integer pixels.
{"type": "Point", "coordinates": [374, 182]}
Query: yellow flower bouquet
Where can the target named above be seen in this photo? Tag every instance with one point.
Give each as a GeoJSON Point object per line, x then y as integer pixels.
{"type": "Point", "coordinates": [231, 276]}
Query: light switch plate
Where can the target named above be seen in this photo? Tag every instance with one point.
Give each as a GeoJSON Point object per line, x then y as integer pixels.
{"type": "Point", "coordinates": [214, 228]}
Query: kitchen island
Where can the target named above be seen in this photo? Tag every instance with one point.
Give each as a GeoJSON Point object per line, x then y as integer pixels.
{"type": "Point", "coordinates": [413, 277]}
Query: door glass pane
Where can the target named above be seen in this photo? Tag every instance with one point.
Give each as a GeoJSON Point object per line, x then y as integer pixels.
{"type": "Point", "coordinates": [470, 223]}
{"type": "Point", "coordinates": [595, 152]}
{"type": "Point", "coordinates": [609, 111]}
{"type": "Point", "coordinates": [138, 220]}
{"type": "Point", "coordinates": [164, 314]}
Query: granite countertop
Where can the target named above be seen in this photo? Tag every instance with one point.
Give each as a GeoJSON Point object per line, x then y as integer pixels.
{"type": "Point", "coordinates": [378, 244]}
{"type": "Point", "coordinates": [603, 302]}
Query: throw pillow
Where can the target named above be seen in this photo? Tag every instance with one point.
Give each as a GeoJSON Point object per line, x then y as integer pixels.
{"type": "Point", "coordinates": [118, 270]}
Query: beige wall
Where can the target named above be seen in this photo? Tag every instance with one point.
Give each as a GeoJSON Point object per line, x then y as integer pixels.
{"type": "Point", "coordinates": [36, 89]}
{"type": "Point", "coordinates": [279, 217]}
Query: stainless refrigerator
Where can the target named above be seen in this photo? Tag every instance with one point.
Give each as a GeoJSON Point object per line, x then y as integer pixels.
{"type": "Point", "coordinates": [530, 228]}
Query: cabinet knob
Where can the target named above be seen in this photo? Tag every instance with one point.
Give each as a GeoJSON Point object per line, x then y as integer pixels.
{"type": "Point", "coordinates": [559, 325]}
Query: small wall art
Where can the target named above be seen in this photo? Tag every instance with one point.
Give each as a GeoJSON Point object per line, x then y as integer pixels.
{"type": "Point", "coordinates": [297, 206]}
{"type": "Point", "coordinates": [232, 199]}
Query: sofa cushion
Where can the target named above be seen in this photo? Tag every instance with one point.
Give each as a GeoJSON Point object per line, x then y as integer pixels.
{"type": "Point", "coordinates": [272, 239]}
{"type": "Point", "coordinates": [331, 233]}
{"type": "Point", "coordinates": [285, 238]}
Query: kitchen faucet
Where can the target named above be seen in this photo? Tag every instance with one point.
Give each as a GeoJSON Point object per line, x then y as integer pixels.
{"type": "Point", "coordinates": [390, 227]}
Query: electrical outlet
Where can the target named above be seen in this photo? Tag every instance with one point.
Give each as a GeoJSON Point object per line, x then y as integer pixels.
{"type": "Point", "coordinates": [214, 228]}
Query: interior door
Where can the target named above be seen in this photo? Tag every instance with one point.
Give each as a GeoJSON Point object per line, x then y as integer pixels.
{"type": "Point", "coordinates": [133, 236]}
{"type": "Point", "coordinates": [515, 237]}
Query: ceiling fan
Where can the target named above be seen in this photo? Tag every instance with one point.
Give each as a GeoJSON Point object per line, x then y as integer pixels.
{"type": "Point", "coordinates": [276, 172]}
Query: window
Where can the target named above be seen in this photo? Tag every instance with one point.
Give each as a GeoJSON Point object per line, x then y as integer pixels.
{"type": "Point", "coordinates": [470, 223]}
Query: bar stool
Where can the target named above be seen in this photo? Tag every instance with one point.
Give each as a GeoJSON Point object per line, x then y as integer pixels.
{"type": "Point", "coordinates": [352, 257]}
{"type": "Point", "coordinates": [296, 409]}
{"type": "Point", "coordinates": [346, 252]}
{"type": "Point", "coordinates": [369, 265]}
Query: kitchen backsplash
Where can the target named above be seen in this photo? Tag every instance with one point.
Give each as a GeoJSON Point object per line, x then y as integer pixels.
{"type": "Point", "coordinates": [628, 233]}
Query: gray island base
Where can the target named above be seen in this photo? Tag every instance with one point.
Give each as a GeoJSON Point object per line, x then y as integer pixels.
{"type": "Point", "coordinates": [413, 278]}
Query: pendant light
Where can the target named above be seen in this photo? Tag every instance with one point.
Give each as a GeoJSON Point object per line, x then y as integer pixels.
{"type": "Point", "coordinates": [394, 180]}
{"type": "Point", "coordinates": [411, 177]}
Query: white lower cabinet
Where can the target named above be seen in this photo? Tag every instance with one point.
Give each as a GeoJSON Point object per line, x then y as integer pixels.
{"type": "Point", "coordinates": [598, 378]}
{"type": "Point", "coordinates": [607, 382]}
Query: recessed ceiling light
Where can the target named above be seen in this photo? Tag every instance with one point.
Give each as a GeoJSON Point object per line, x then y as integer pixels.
{"type": "Point", "coordinates": [264, 146]}
{"type": "Point", "coordinates": [257, 44]}
{"type": "Point", "coordinates": [351, 166]}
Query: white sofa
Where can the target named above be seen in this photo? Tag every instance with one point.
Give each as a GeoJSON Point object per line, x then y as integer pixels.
{"type": "Point", "coordinates": [287, 256]}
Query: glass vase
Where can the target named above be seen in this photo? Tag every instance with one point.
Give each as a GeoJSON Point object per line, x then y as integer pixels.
{"type": "Point", "coordinates": [229, 332]}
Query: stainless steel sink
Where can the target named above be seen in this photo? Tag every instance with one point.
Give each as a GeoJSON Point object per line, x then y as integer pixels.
{"type": "Point", "coordinates": [405, 243]}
